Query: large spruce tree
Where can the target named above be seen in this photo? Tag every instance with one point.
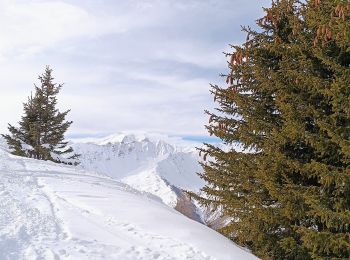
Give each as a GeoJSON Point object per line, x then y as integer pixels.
{"type": "Point", "coordinates": [287, 104]}
{"type": "Point", "coordinates": [40, 134]}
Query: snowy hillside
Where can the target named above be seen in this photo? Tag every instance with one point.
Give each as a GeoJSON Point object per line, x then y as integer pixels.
{"type": "Point", "coordinates": [51, 211]}
{"type": "Point", "coordinates": [146, 162]}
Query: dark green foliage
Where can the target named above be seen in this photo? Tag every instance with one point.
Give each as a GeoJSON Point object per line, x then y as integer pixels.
{"type": "Point", "coordinates": [41, 130]}
{"type": "Point", "coordinates": [288, 104]}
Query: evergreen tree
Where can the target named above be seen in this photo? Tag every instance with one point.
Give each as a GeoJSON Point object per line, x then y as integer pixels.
{"type": "Point", "coordinates": [41, 131]}
{"type": "Point", "coordinates": [287, 104]}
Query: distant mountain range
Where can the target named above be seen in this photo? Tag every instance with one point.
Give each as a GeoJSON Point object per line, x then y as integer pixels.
{"type": "Point", "coordinates": [147, 163]}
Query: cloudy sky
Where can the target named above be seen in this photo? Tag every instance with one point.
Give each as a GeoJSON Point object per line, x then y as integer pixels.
{"type": "Point", "coordinates": [127, 65]}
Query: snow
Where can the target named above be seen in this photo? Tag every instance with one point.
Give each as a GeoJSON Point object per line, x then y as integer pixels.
{"type": "Point", "coordinates": [144, 161]}
{"type": "Point", "coordinates": [52, 211]}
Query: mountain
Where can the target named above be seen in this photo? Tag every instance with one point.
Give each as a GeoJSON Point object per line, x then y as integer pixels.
{"type": "Point", "coordinates": [147, 163]}
{"type": "Point", "coordinates": [54, 211]}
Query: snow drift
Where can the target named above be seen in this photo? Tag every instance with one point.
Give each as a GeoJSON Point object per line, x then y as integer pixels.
{"type": "Point", "coordinates": [51, 211]}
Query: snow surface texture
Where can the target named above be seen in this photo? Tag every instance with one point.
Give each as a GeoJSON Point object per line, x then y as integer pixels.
{"type": "Point", "coordinates": [52, 211]}
{"type": "Point", "coordinates": [144, 161]}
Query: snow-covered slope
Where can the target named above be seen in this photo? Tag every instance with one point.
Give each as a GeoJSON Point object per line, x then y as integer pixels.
{"type": "Point", "coordinates": [145, 162]}
{"type": "Point", "coordinates": [51, 211]}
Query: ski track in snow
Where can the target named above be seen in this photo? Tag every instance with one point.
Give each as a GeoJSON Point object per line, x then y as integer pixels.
{"type": "Point", "coordinates": [49, 211]}
{"type": "Point", "coordinates": [33, 232]}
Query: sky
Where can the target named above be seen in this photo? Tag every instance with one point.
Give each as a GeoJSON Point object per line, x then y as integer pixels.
{"type": "Point", "coordinates": [126, 65]}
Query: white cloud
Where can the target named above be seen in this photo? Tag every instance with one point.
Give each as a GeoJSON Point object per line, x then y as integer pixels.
{"type": "Point", "coordinates": [31, 26]}
{"type": "Point", "coordinates": [127, 64]}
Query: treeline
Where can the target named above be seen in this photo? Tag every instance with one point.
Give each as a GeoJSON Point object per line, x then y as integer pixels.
{"type": "Point", "coordinates": [41, 130]}
{"type": "Point", "coordinates": [287, 103]}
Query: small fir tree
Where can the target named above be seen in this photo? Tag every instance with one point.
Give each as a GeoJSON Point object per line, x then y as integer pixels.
{"type": "Point", "coordinates": [287, 104]}
{"type": "Point", "coordinates": [40, 134]}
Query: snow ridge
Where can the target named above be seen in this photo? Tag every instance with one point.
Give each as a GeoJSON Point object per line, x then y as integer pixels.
{"type": "Point", "coordinates": [144, 162]}
{"type": "Point", "coordinates": [52, 211]}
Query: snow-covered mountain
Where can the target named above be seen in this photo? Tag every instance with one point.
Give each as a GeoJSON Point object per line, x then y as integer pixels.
{"type": "Point", "coordinates": [147, 163]}
{"type": "Point", "coordinates": [53, 211]}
